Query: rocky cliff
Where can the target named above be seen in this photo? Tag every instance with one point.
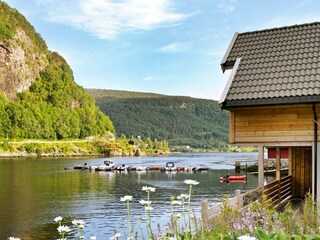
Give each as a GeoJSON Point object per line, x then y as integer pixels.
{"type": "Point", "coordinates": [20, 64]}
{"type": "Point", "coordinates": [39, 98]}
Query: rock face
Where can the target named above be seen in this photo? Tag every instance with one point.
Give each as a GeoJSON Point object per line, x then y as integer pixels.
{"type": "Point", "coordinates": [20, 64]}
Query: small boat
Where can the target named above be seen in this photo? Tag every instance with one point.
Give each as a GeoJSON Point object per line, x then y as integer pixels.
{"type": "Point", "coordinates": [81, 167]}
{"type": "Point", "coordinates": [200, 168]}
{"type": "Point", "coordinates": [183, 169]}
{"type": "Point", "coordinates": [138, 168]}
{"type": "Point", "coordinates": [93, 167]}
{"type": "Point", "coordinates": [108, 166]}
{"type": "Point", "coordinates": [156, 169]}
{"type": "Point", "coordinates": [229, 178]}
{"type": "Point", "coordinates": [122, 168]}
{"type": "Point", "coordinates": [170, 167]}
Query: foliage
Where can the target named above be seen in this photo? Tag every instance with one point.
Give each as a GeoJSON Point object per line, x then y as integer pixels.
{"type": "Point", "coordinates": [120, 146]}
{"type": "Point", "coordinates": [54, 106]}
{"type": "Point", "coordinates": [11, 19]}
{"type": "Point", "coordinates": [183, 121]}
{"type": "Point", "coordinates": [262, 221]}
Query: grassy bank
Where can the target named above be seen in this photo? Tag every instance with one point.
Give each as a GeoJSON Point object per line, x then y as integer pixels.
{"type": "Point", "coordinates": [40, 148]}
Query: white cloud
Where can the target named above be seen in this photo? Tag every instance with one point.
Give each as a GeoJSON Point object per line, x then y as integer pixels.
{"type": "Point", "coordinates": [175, 47]}
{"type": "Point", "coordinates": [108, 18]}
{"type": "Point", "coordinates": [227, 5]}
{"type": "Point", "coordinates": [149, 78]}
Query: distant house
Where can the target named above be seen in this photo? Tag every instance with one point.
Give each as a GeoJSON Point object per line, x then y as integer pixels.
{"type": "Point", "coordinates": [273, 95]}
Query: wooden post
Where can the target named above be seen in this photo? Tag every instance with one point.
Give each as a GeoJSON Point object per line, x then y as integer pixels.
{"type": "Point", "coordinates": [237, 165]}
{"type": "Point", "coordinates": [261, 167]}
{"type": "Point", "coordinates": [204, 211]}
{"type": "Point", "coordinates": [278, 164]}
{"type": "Point", "coordinates": [290, 161]}
{"type": "Point", "coordinates": [240, 199]}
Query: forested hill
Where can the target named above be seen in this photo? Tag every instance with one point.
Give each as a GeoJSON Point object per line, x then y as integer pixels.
{"type": "Point", "coordinates": [182, 121]}
{"type": "Point", "coordinates": [38, 95]}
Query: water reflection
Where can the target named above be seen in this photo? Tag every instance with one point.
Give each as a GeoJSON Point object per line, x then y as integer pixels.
{"type": "Point", "coordinates": [34, 191]}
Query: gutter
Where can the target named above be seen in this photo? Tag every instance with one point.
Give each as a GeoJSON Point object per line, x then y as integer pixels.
{"type": "Point", "coordinates": [315, 151]}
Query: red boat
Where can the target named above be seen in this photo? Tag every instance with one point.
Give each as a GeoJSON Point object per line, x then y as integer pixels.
{"type": "Point", "coordinates": [229, 178]}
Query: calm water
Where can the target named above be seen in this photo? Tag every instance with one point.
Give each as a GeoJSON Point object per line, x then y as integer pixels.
{"type": "Point", "coordinates": [34, 191]}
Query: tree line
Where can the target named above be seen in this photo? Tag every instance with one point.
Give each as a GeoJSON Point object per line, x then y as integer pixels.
{"type": "Point", "coordinates": [198, 123]}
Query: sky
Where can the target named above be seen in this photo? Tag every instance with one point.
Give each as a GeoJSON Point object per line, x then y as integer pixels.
{"type": "Point", "coordinates": [171, 47]}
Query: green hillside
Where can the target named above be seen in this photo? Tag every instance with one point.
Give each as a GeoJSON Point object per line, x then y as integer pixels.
{"type": "Point", "coordinates": [182, 121]}
{"type": "Point", "coordinates": [38, 96]}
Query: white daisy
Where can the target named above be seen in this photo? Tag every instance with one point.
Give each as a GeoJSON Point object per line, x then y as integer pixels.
{"type": "Point", "coordinates": [176, 203]}
{"type": "Point", "coordinates": [191, 182]}
{"type": "Point", "coordinates": [57, 219]}
{"type": "Point", "coordinates": [145, 203]}
{"type": "Point", "coordinates": [148, 189]}
{"type": "Point", "coordinates": [63, 229]}
{"type": "Point", "coordinates": [126, 198]}
{"type": "Point", "coordinates": [183, 196]}
{"type": "Point", "coordinates": [246, 237]}
{"type": "Point", "coordinates": [78, 222]}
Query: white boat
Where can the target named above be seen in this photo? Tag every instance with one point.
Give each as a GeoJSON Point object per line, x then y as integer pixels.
{"type": "Point", "coordinates": [122, 168]}
{"type": "Point", "coordinates": [200, 168]}
{"type": "Point", "coordinates": [108, 166]}
{"type": "Point", "coordinates": [170, 167]}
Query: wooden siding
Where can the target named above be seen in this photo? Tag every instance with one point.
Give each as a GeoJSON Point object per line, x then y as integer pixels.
{"type": "Point", "coordinates": [301, 171]}
{"type": "Point", "coordinates": [272, 124]}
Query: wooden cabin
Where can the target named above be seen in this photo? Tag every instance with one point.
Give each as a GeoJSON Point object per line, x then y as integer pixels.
{"type": "Point", "coordinates": [273, 95]}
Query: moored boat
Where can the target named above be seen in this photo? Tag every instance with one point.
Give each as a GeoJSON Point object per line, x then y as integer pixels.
{"type": "Point", "coordinates": [156, 168]}
{"type": "Point", "coordinates": [200, 168]}
{"type": "Point", "coordinates": [122, 168]}
{"type": "Point", "coordinates": [170, 167]}
{"type": "Point", "coordinates": [238, 178]}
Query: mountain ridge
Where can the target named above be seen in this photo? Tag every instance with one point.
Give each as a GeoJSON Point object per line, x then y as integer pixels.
{"type": "Point", "coordinates": [182, 120]}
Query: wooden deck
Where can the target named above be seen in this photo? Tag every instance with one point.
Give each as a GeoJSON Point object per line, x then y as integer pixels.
{"type": "Point", "coordinates": [278, 192]}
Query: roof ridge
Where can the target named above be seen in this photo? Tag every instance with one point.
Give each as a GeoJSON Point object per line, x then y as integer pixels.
{"type": "Point", "coordinates": [279, 28]}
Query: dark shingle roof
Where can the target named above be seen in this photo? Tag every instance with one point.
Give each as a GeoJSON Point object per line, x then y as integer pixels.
{"type": "Point", "coordinates": [277, 66]}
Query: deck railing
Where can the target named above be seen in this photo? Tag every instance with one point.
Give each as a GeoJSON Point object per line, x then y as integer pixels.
{"type": "Point", "coordinates": [277, 192]}
{"type": "Point", "coordinates": [237, 202]}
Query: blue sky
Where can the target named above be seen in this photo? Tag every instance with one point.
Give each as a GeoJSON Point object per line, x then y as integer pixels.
{"type": "Point", "coordinates": [172, 47]}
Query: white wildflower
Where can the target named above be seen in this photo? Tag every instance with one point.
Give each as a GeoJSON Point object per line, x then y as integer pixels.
{"type": "Point", "coordinates": [148, 189]}
{"type": "Point", "coordinates": [148, 209]}
{"type": "Point", "coordinates": [191, 182]}
{"type": "Point", "coordinates": [176, 203]}
{"type": "Point", "coordinates": [57, 219]}
{"type": "Point", "coordinates": [145, 203]}
{"type": "Point", "coordinates": [246, 237]}
{"type": "Point", "coordinates": [63, 229]}
{"type": "Point", "coordinates": [178, 215]}
{"type": "Point", "coordinates": [126, 198]}
{"type": "Point", "coordinates": [183, 196]}
{"type": "Point", "coordinates": [13, 238]}
{"type": "Point", "coordinates": [78, 223]}
{"type": "Point", "coordinates": [116, 236]}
